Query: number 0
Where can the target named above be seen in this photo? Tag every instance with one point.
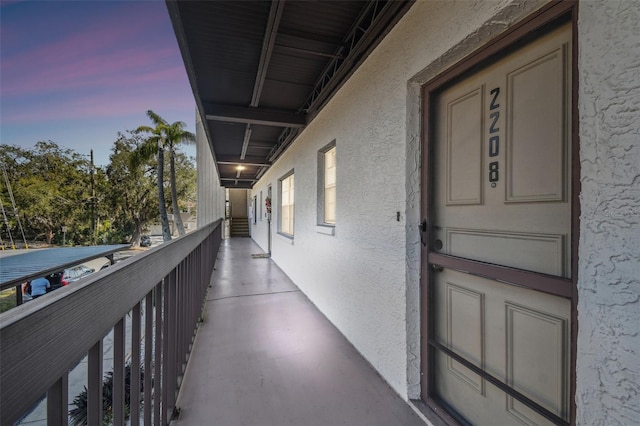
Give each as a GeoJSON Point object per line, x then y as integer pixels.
{"type": "Point", "coordinates": [494, 146]}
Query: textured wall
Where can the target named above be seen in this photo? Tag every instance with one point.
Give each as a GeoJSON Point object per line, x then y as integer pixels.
{"type": "Point", "coordinates": [608, 384]}
{"type": "Point", "coordinates": [210, 193]}
{"type": "Point", "coordinates": [365, 278]}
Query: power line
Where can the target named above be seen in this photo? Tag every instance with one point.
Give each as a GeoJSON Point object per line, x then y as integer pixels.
{"type": "Point", "coordinates": [15, 209]}
{"type": "Point", "coordinates": [6, 222]}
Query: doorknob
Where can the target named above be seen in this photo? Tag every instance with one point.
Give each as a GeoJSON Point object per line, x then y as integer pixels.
{"type": "Point", "coordinates": [423, 232]}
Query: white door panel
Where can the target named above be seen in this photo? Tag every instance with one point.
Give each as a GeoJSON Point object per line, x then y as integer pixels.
{"type": "Point", "coordinates": [501, 195]}
{"type": "Point", "coordinates": [517, 335]}
{"type": "Point", "coordinates": [502, 161]}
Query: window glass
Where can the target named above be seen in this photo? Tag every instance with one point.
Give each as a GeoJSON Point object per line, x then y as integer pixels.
{"type": "Point", "coordinates": [330, 186]}
{"type": "Point", "coordinates": [286, 205]}
{"type": "Point", "coordinates": [326, 185]}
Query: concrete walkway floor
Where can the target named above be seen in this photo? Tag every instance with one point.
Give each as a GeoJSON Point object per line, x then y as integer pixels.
{"type": "Point", "coordinates": [266, 356]}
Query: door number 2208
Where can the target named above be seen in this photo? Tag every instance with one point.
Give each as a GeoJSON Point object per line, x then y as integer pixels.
{"type": "Point", "coordinates": [494, 138]}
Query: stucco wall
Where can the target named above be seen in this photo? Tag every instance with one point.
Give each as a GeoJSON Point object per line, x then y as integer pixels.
{"type": "Point", "coordinates": [608, 370]}
{"type": "Point", "coordinates": [365, 278]}
{"type": "Point", "coordinates": [210, 193]}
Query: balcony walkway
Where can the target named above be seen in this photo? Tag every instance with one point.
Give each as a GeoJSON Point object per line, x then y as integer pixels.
{"type": "Point", "coordinates": [266, 356]}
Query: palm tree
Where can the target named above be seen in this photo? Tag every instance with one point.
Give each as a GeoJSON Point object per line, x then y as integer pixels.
{"type": "Point", "coordinates": [154, 145]}
{"type": "Point", "coordinates": [165, 136]}
{"type": "Point", "coordinates": [175, 134]}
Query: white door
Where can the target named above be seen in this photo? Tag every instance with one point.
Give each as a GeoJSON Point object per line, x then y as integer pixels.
{"type": "Point", "coordinates": [501, 206]}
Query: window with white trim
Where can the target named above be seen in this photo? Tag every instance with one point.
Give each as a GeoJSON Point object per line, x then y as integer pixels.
{"type": "Point", "coordinates": [327, 185]}
{"type": "Point", "coordinates": [286, 189]}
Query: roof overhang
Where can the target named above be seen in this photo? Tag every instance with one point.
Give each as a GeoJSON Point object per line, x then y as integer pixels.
{"type": "Point", "coordinates": [260, 71]}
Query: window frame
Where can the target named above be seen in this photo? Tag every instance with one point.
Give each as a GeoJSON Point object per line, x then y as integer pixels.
{"type": "Point", "coordinates": [322, 153]}
{"type": "Point", "coordinates": [282, 179]}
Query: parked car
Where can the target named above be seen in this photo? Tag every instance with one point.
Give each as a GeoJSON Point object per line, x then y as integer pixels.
{"type": "Point", "coordinates": [75, 273]}
{"type": "Point", "coordinates": [145, 241]}
{"type": "Point", "coordinates": [59, 279]}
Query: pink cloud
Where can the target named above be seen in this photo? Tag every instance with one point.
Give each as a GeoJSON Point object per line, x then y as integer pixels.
{"type": "Point", "coordinates": [115, 103]}
{"type": "Point", "coordinates": [6, 3]}
{"type": "Point", "coordinates": [116, 66]}
{"type": "Point", "coordinates": [106, 50]}
{"type": "Point", "coordinates": [100, 71]}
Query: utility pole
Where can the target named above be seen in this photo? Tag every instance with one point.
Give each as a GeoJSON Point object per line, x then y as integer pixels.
{"type": "Point", "coordinates": [15, 209]}
{"type": "Point", "coordinates": [93, 202]}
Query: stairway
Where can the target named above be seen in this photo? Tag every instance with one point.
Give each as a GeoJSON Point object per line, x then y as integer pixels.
{"type": "Point", "coordinates": [240, 227]}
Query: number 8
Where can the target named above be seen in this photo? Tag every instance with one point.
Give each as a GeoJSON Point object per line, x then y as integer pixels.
{"type": "Point", "coordinates": [494, 176]}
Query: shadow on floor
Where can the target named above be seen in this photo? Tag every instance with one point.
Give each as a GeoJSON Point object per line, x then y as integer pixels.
{"type": "Point", "coordinates": [266, 356]}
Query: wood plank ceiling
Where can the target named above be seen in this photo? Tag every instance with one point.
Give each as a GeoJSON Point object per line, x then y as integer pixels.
{"type": "Point", "coordinates": [261, 70]}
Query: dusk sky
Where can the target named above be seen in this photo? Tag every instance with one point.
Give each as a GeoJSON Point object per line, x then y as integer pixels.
{"type": "Point", "coordinates": [77, 72]}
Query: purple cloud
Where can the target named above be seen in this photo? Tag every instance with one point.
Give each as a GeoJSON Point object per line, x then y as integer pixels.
{"type": "Point", "coordinates": [70, 68]}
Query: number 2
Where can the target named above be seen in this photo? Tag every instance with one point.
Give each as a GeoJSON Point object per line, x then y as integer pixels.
{"type": "Point", "coordinates": [494, 104]}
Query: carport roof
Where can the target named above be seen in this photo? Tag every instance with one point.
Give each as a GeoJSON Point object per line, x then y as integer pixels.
{"type": "Point", "coordinates": [19, 268]}
{"type": "Point", "coordinates": [260, 71]}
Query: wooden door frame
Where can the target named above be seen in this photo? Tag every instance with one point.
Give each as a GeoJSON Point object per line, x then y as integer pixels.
{"type": "Point", "coordinates": [540, 22]}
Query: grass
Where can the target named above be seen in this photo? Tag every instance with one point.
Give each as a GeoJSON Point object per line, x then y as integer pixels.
{"type": "Point", "coordinates": [7, 299]}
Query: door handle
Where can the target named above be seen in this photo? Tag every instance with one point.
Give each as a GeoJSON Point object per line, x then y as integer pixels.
{"type": "Point", "coordinates": [423, 232]}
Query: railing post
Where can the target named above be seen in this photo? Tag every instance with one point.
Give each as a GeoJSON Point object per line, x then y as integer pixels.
{"type": "Point", "coordinates": [183, 315]}
{"type": "Point", "coordinates": [134, 383]}
{"type": "Point", "coordinates": [172, 338]}
{"type": "Point", "coordinates": [148, 354]}
{"type": "Point", "coordinates": [157, 361]}
{"type": "Point", "coordinates": [192, 307]}
{"type": "Point", "coordinates": [94, 392]}
{"type": "Point", "coordinates": [19, 298]}
{"type": "Point", "coordinates": [167, 387]}
{"type": "Point", "coordinates": [58, 402]}
{"type": "Point", "coordinates": [117, 404]}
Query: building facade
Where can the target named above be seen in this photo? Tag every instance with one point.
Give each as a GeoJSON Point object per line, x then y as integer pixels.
{"type": "Point", "coordinates": [505, 133]}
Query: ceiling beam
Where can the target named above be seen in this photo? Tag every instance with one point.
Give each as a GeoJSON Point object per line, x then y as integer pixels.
{"type": "Point", "coordinates": [306, 37]}
{"type": "Point", "coordinates": [269, 40]}
{"type": "Point", "coordinates": [262, 143]}
{"type": "Point", "coordinates": [375, 20]}
{"type": "Point", "coordinates": [245, 142]}
{"type": "Point", "coordinates": [247, 115]}
{"type": "Point", "coordinates": [307, 51]}
{"type": "Point", "coordinates": [234, 161]}
{"type": "Point", "coordinates": [273, 23]}
{"type": "Point", "coordinates": [238, 180]}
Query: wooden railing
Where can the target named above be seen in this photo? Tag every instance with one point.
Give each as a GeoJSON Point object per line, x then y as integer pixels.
{"type": "Point", "coordinates": [42, 340]}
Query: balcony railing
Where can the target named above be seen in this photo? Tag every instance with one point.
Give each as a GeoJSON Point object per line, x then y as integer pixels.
{"type": "Point", "coordinates": [42, 340]}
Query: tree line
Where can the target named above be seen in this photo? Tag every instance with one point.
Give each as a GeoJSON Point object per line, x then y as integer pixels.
{"type": "Point", "coordinates": [55, 188]}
